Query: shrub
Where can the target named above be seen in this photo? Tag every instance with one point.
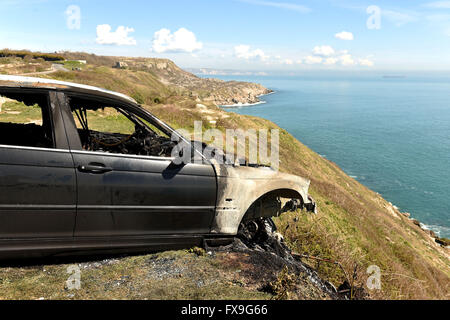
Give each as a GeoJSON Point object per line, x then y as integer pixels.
{"type": "Point", "coordinates": [24, 53]}
{"type": "Point", "coordinates": [281, 286]}
{"type": "Point", "coordinates": [138, 97]}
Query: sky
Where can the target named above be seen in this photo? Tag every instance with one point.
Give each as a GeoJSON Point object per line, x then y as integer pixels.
{"type": "Point", "coordinates": [258, 35]}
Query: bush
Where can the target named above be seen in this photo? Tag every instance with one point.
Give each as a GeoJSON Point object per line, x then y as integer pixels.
{"type": "Point", "coordinates": [282, 285]}
{"type": "Point", "coordinates": [157, 100]}
{"type": "Point", "coordinates": [24, 53]}
{"type": "Point", "coordinates": [138, 97]}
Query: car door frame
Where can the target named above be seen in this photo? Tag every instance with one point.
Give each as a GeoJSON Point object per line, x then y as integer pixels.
{"type": "Point", "coordinates": [76, 148]}
{"type": "Point", "coordinates": [60, 230]}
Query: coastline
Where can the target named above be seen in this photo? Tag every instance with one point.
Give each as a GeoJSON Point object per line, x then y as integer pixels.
{"type": "Point", "coordinates": [353, 220]}
{"type": "Point", "coordinates": [267, 94]}
{"type": "Point", "coordinates": [433, 230]}
{"type": "Point", "coordinates": [240, 104]}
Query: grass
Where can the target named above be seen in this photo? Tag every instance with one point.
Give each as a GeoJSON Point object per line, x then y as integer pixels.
{"type": "Point", "coordinates": [17, 112]}
{"type": "Point", "coordinates": [169, 275]}
{"type": "Point", "coordinates": [107, 120]}
{"type": "Point", "coordinates": [71, 64]}
{"type": "Point", "coordinates": [15, 65]}
{"type": "Point", "coordinates": [138, 84]}
{"type": "Point", "coordinates": [354, 227]}
{"type": "Point", "coordinates": [33, 55]}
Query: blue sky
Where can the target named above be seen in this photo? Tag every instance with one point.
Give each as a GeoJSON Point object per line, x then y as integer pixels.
{"type": "Point", "coordinates": [240, 34]}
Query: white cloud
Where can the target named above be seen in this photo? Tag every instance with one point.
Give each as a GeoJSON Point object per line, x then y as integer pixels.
{"type": "Point", "coordinates": [313, 60]}
{"type": "Point", "coordinates": [347, 60]}
{"type": "Point", "coordinates": [281, 5]}
{"type": "Point", "coordinates": [327, 56]}
{"type": "Point", "coordinates": [119, 37]}
{"type": "Point", "coordinates": [344, 35]}
{"type": "Point", "coordinates": [182, 40]}
{"type": "Point", "coordinates": [330, 61]}
{"type": "Point", "coordinates": [438, 5]}
{"type": "Point", "coordinates": [323, 51]}
{"type": "Point", "coordinates": [366, 62]}
{"type": "Point", "coordinates": [243, 52]}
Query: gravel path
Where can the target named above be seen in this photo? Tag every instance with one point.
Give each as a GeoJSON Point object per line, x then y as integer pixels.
{"type": "Point", "coordinates": [55, 68]}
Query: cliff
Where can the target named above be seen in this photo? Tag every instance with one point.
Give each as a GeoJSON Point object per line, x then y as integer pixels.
{"type": "Point", "coordinates": [355, 228]}
{"type": "Point", "coordinates": [216, 91]}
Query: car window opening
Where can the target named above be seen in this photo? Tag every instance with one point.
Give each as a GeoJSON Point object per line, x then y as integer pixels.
{"type": "Point", "coordinates": [25, 120]}
{"type": "Point", "coordinates": [112, 129]}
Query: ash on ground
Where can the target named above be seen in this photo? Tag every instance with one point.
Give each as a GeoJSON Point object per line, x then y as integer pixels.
{"type": "Point", "coordinates": [269, 255]}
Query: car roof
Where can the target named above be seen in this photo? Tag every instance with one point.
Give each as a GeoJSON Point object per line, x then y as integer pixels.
{"type": "Point", "coordinates": [31, 82]}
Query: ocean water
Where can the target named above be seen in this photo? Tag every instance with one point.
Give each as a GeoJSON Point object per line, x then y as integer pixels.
{"type": "Point", "coordinates": [392, 134]}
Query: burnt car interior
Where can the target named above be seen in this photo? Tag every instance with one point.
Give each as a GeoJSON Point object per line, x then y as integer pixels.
{"type": "Point", "coordinates": [25, 120]}
{"type": "Point", "coordinates": [109, 128]}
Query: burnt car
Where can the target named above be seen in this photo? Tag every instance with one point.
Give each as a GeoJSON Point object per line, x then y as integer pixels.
{"type": "Point", "coordinates": [86, 170]}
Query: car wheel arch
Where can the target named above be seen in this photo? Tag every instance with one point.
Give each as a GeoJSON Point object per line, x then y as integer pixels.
{"type": "Point", "coordinates": [268, 204]}
{"type": "Point", "coordinates": [228, 219]}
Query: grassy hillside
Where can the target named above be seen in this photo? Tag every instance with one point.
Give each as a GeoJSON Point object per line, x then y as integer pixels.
{"type": "Point", "coordinates": [355, 227]}
{"type": "Point", "coordinates": [168, 73]}
{"type": "Point", "coordinates": [16, 65]}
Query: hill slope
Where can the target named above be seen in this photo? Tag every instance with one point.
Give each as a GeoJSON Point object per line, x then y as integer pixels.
{"type": "Point", "coordinates": [217, 91]}
{"type": "Point", "coordinates": [355, 227]}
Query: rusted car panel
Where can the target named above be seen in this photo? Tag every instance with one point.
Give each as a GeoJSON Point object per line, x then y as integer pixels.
{"type": "Point", "coordinates": [240, 186]}
{"type": "Point", "coordinates": [60, 195]}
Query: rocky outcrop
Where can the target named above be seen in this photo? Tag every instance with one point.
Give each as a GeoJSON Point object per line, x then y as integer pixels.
{"type": "Point", "coordinates": [120, 65]}
{"type": "Point", "coordinates": [217, 91]}
{"type": "Point", "coordinates": [233, 92]}
{"type": "Point", "coordinates": [214, 90]}
{"type": "Point", "coordinates": [443, 242]}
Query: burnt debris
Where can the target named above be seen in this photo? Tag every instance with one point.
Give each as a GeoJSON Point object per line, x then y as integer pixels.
{"type": "Point", "coordinates": [143, 141]}
{"type": "Point", "coordinates": [268, 250]}
{"type": "Point", "coordinates": [138, 143]}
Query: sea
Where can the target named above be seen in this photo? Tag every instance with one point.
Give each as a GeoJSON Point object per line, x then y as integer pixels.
{"type": "Point", "coordinates": [390, 131]}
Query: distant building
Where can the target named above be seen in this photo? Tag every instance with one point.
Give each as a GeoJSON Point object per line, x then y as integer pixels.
{"type": "Point", "coordinates": [121, 65]}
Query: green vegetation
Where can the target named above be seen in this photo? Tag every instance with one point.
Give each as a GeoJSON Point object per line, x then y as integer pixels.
{"type": "Point", "coordinates": [140, 85]}
{"type": "Point", "coordinates": [17, 112]}
{"type": "Point", "coordinates": [71, 64]}
{"type": "Point", "coordinates": [168, 275]}
{"type": "Point", "coordinates": [282, 285]}
{"type": "Point", "coordinates": [107, 120]}
{"type": "Point", "coordinates": [15, 65]}
{"type": "Point", "coordinates": [32, 55]}
{"type": "Point", "coordinates": [354, 228]}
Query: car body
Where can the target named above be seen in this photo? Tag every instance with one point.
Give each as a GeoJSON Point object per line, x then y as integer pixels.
{"type": "Point", "coordinates": [60, 195]}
